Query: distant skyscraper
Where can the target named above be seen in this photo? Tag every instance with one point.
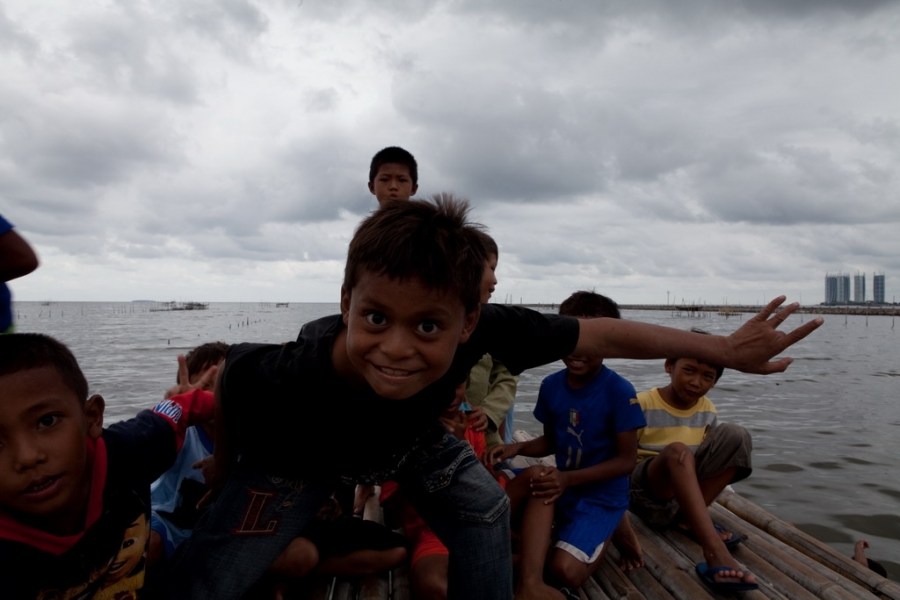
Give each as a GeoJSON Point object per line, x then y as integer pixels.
{"type": "Point", "coordinates": [859, 287]}
{"type": "Point", "coordinates": [837, 289]}
{"type": "Point", "coordinates": [878, 288]}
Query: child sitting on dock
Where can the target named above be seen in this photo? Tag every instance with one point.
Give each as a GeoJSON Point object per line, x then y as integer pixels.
{"type": "Point", "coordinates": [591, 417]}
{"type": "Point", "coordinates": [74, 496]}
{"type": "Point", "coordinates": [393, 175]}
{"type": "Point", "coordinates": [359, 394]}
{"type": "Point", "coordinates": [685, 460]}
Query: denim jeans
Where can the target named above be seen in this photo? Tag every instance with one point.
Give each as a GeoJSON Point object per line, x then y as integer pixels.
{"type": "Point", "coordinates": [257, 516]}
{"type": "Point", "coordinates": [469, 512]}
{"type": "Point", "coordinates": [235, 542]}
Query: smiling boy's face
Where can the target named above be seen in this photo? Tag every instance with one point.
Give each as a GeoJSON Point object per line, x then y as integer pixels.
{"type": "Point", "coordinates": [401, 336]}
{"type": "Point", "coordinates": [44, 475]}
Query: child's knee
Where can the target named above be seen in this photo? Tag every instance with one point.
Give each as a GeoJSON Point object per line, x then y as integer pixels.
{"type": "Point", "coordinates": [567, 569]}
{"type": "Point", "coordinates": [677, 455]}
{"type": "Point", "coordinates": [733, 438]}
{"type": "Point", "coordinates": [298, 559]}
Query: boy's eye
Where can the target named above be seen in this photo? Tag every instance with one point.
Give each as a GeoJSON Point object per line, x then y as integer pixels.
{"type": "Point", "coordinates": [48, 420]}
{"type": "Point", "coordinates": [428, 327]}
{"type": "Point", "coordinates": [375, 318]}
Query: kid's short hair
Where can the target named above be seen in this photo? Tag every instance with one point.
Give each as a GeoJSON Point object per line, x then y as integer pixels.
{"type": "Point", "coordinates": [432, 241]}
{"type": "Point", "coordinates": [205, 356]}
{"type": "Point", "coordinates": [27, 351]}
{"type": "Point", "coordinates": [490, 246]}
{"type": "Point", "coordinates": [589, 305]}
{"type": "Point", "coordinates": [719, 369]}
{"type": "Point", "coordinates": [394, 154]}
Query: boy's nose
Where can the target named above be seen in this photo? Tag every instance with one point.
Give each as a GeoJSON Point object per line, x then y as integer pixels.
{"type": "Point", "coordinates": [396, 343]}
{"type": "Point", "coordinates": [26, 454]}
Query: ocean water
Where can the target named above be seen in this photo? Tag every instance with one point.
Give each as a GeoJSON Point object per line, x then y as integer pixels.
{"type": "Point", "coordinates": [824, 432]}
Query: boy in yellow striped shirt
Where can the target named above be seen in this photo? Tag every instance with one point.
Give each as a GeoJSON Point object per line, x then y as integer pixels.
{"type": "Point", "coordinates": [685, 459]}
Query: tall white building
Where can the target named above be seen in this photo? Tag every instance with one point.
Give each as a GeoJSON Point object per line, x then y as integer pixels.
{"type": "Point", "coordinates": [859, 287]}
{"type": "Point", "coordinates": [837, 289]}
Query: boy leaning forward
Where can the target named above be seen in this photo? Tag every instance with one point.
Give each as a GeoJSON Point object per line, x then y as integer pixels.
{"type": "Point", "coordinates": [359, 395]}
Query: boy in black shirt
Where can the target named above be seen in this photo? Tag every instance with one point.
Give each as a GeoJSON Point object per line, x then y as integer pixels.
{"type": "Point", "coordinates": [75, 497]}
{"type": "Point", "coordinates": [359, 395]}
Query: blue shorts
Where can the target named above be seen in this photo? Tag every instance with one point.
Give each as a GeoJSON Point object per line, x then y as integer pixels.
{"type": "Point", "coordinates": [583, 525]}
{"type": "Point", "coordinates": [171, 536]}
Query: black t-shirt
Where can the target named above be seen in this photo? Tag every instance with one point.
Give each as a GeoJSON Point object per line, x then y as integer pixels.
{"type": "Point", "coordinates": [293, 416]}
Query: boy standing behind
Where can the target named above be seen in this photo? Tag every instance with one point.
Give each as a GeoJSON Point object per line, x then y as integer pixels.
{"type": "Point", "coordinates": [686, 458]}
{"type": "Point", "coordinates": [590, 418]}
{"type": "Point", "coordinates": [393, 175]}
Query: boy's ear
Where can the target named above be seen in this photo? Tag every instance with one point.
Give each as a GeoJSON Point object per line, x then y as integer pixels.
{"type": "Point", "coordinates": [345, 299]}
{"type": "Point", "coordinates": [469, 325]}
{"type": "Point", "coordinates": [372, 187]}
{"type": "Point", "coordinates": [93, 412]}
{"type": "Point", "coordinates": [412, 192]}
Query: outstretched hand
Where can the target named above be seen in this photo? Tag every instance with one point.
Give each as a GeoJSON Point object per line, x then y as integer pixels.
{"type": "Point", "coordinates": [206, 381]}
{"type": "Point", "coordinates": [751, 348]}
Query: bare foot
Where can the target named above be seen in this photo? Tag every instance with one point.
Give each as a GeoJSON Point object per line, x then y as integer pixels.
{"type": "Point", "coordinates": [625, 540]}
{"type": "Point", "coordinates": [540, 591]}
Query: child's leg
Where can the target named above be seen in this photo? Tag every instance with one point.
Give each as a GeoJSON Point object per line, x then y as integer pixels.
{"type": "Point", "coordinates": [469, 512]}
{"type": "Point", "coordinates": [723, 458]}
{"type": "Point", "coordinates": [584, 528]}
{"type": "Point", "coordinates": [362, 562]}
{"type": "Point", "coordinates": [534, 521]}
{"type": "Point", "coordinates": [625, 539]}
{"type": "Point", "coordinates": [297, 560]}
{"type": "Point", "coordinates": [428, 577]}
{"type": "Point", "coordinates": [254, 519]}
{"type": "Point", "coordinates": [673, 473]}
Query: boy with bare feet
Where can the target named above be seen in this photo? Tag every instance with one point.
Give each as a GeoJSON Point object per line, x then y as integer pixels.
{"type": "Point", "coordinates": [685, 459]}
{"type": "Point", "coordinates": [591, 417]}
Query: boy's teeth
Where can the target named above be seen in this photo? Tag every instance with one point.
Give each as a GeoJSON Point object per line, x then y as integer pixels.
{"type": "Point", "coordinates": [396, 372]}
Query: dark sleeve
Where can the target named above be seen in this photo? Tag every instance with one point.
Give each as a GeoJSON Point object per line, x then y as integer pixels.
{"type": "Point", "coordinates": [144, 447]}
{"type": "Point", "coordinates": [522, 339]}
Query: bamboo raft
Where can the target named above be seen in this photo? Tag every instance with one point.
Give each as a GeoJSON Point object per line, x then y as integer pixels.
{"type": "Point", "coordinates": [788, 564]}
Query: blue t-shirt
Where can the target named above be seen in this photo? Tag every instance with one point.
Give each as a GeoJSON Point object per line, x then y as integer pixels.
{"type": "Point", "coordinates": [586, 422]}
{"type": "Point", "coordinates": [5, 297]}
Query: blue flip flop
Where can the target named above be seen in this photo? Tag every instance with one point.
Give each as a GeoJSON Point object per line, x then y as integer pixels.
{"type": "Point", "coordinates": [731, 542]}
{"type": "Point", "coordinates": [707, 574]}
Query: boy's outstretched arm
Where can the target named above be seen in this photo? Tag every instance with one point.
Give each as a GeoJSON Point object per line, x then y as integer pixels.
{"type": "Point", "coordinates": [749, 349]}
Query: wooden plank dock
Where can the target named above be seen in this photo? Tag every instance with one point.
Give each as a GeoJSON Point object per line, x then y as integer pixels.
{"type": "Point", "coordinates": [788, 565]}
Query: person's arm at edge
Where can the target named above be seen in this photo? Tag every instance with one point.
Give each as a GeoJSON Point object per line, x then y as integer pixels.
{"type": "Point", "coordinates": [749, 349]}
{"type": "Point", "coordinates": [500, 396]}
{"type": "Point", "coordinates": [18, 258]}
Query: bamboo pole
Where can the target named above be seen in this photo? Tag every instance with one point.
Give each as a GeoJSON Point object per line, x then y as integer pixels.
{"type": "Point", "coordinates": [818, 580]}
{"type": "Point", "coordinates": [809, 546]}
{"type": "Point", "coordinates": [592, 590]}
{"type": "Point", "coordinates": [614, 582]}
{"type": "Point", "coordinates": [673, 571]}
{"type": "Point", "coordinates": [641, 578]}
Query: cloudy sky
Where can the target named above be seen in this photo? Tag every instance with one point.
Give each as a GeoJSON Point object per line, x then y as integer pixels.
{"type": "Point", "coordinates": [219, 149]}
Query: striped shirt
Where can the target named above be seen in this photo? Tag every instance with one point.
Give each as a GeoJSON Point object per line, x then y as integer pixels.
{"type": "Point", "coordinates": [667, 424]}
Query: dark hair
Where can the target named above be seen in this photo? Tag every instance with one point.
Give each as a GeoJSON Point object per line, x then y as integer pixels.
{"type": "Point", "coordinates": [589, 305]}
{"type": "Point", "coordinates": [490, 246]}
{"type": "Point", "coordinates": [719, 369]}
{"type": "Point", "coordinates": [877, 567]}
{"type": "Point", "coordinates": [26, 351]}
{"type": "Point", "coordinates": [205, 356]}
{"type": "Point", "coordinates": [431, 241]}
{"type": "Point", "coordinates": [394, 154]}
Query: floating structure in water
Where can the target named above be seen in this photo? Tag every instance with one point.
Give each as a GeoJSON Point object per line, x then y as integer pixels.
{"type": "Point", "coordinates": [173, 305]}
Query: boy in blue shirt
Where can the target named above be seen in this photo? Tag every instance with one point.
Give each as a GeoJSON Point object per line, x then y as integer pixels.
{"type": "Point", "coordinates": [591, 417]}
{"type": "Point", "coordinates": [359, 394]}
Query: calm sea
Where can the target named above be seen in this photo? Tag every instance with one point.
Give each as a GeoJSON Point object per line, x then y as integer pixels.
{"type": "Point", "coordinates": [823, 432]}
